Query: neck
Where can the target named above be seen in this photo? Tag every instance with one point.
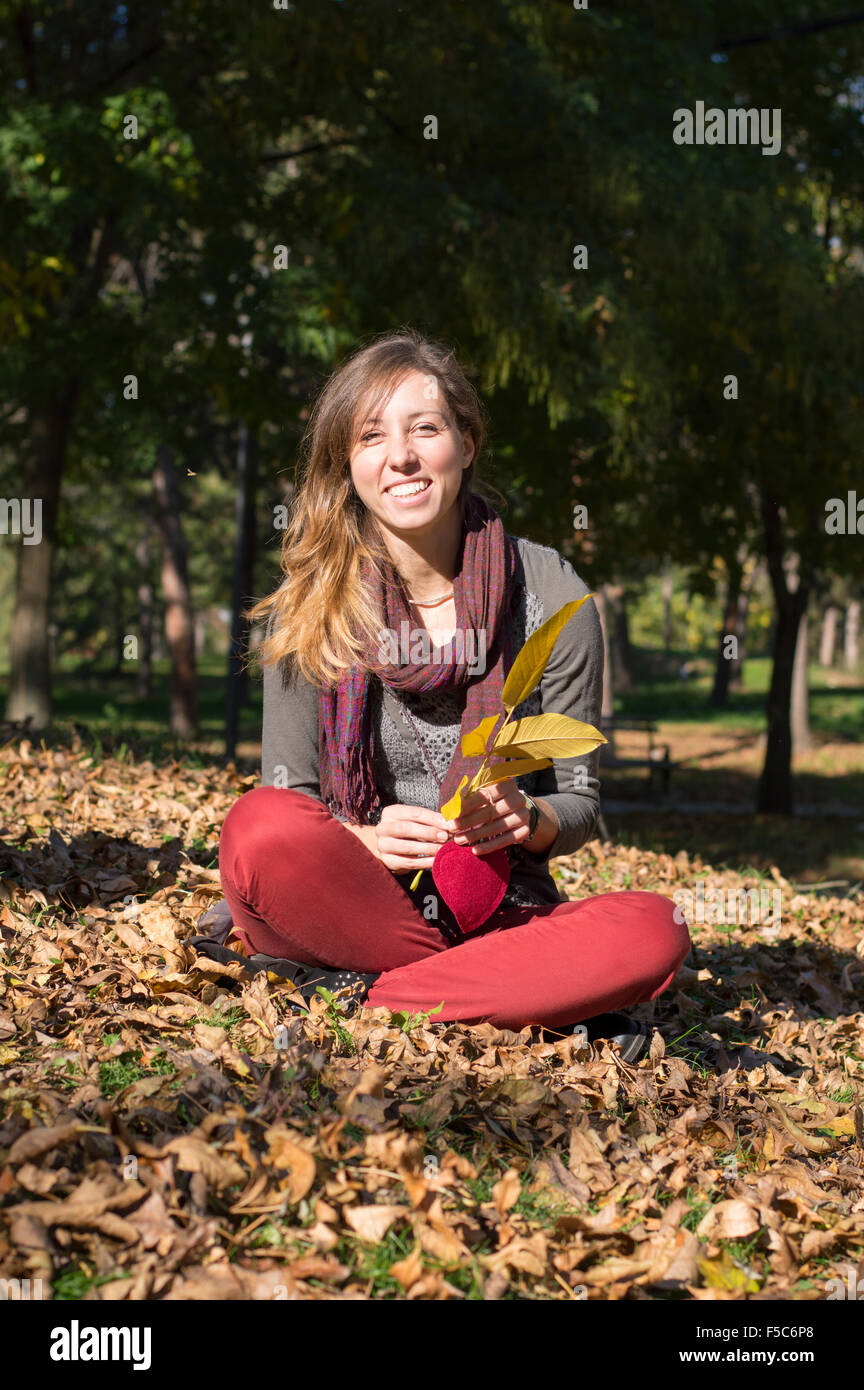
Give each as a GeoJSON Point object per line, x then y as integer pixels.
{"type": "Point", "coordinates": [428, 563]}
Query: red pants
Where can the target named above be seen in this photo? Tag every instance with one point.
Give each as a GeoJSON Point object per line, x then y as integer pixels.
{"type": "Point", "coordinates": [301, 886]}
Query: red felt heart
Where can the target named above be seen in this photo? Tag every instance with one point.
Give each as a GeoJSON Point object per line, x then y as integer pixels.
{"type": "Point", "coordinates": [472, 885]}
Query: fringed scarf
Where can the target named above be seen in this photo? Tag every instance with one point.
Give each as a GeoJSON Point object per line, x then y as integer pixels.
{"type": "Point", "coordinates": [484, 589]}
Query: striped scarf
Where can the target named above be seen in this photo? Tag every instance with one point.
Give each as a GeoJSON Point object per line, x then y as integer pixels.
{"type": "Point", "coordinates": [484, 590]}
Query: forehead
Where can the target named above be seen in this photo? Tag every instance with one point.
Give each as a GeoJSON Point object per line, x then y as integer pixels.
{"type": "Point", "coordinates": [413, 396]}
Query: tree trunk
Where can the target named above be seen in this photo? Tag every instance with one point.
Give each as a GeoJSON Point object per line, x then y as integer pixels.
{"type": "Point", "coordinates": [29, 639]}
{"type": "Point", "coordinates": [244, 562]}
{"type": "Point", "coordinates": [667, 609]}
{"type": "Point", "coordinates": [621, 653]}
{"type": "Point", "coordinates": [144, 679]}
{"type": "Point", "coordinates": [736, 667]}
{"type": "Point", "coordinates": [120, 627]}
{"type": "Point", "coordinates": [775, 784]}
{"type": "Point", "coordinates": [851, 628]}
{"type": "Point", "coordinates": [828, 638]}
{"type": "Point", "coordinates": [802, 739]}
{"type": "Point", "coordinates": [608, 699]}
{"type": "Point", "coordinates": [731, 625]}
{"type": "Point", "coordinates": [179, 626]}
{"type": "Point", "coordinates": [775, 790]}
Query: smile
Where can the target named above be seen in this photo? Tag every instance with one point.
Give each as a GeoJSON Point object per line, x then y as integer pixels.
{"type": "Point", "coordinates": [409, 490]}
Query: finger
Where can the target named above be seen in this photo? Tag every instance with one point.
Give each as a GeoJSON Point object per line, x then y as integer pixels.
{"type": "Point", "coordinates": [407, 849]}
{"type": "Point", "coordinates": [410, 832]}
{"type": "Point", "coordinates": [477, 798]}
{"type": "Point", "coordinates": [497, 810]}
{"type": "Point", "coordinates": [414, 816]}
{"type": "Point", "coordinates": [489, 846]}
{"type": "Point", "coordinates": [412, 862]}
{"type": "Point", "coordinates": [403, 866]}
{"type": "Point", "coordinates": [494, 828]}
{"type": "Point", "coordinates": [475, 810]}
{"type": "Point", "coordinates": [408, 852]}
{"type": "Point", "coordinates": [500, 796]}
{"type": "Point", "coordinates": [511, 837]}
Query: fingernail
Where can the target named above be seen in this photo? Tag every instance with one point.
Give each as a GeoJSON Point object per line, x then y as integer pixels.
{"type": "Point", "coordinates": [442, 834]}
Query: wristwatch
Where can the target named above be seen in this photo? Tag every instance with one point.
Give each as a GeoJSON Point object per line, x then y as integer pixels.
{"type": "Point", "coordinates": [535, 817]}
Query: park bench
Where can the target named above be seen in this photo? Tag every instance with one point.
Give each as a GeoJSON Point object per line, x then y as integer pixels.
{"type": "Point", "coordinates": [658, 761]}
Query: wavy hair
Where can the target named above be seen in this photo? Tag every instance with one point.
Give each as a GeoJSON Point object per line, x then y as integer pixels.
{"type": "Point", "coordinates": [319, 615]}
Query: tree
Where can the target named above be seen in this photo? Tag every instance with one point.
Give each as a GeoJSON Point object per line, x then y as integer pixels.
{"type": "Point", "coordinates": [179, 624]}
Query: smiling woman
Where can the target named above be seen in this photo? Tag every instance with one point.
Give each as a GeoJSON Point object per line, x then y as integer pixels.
{"type": "Point", "coordinates": [361, 749]}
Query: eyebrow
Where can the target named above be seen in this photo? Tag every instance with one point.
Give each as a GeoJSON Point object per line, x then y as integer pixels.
{"type": "Point", "coordinates": [376, 419]}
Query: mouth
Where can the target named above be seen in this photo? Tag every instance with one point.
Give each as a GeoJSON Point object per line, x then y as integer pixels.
{"type": "Point", "coordinates": [409, 491]}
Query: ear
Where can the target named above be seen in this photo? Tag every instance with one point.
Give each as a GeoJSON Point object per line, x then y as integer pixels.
{"type": "Point", "coordinates": [468, 443]}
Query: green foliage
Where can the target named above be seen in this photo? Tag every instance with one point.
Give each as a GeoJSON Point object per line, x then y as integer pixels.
{"type": "Point", "coordinates": [116, 1073]}
{"type": "Point", "coordinates": [408, 1021]}
{"type": "Point", "coordinates": [153, 256]}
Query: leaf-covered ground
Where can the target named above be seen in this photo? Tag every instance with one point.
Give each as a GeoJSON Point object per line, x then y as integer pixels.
{"type": "Point", "coordinates": [170, 1131]}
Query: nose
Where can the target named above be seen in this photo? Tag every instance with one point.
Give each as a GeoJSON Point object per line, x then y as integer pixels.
{"type": "Point", "coordinates": [400, 449]}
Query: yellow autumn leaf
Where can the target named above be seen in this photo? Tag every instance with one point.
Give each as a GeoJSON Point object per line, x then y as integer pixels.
{"type": "Point", "coordinates": [547, 735]}
{"type": "Point", "coordinates": [476, 739]}
{"type": "Point", "coordinates": [452, 809]}
{"type": "Point", "coordinates": [796, 1101]}
{"type": "Point", "coordinates": [841, 1124]}
{"type": "Point", "coordinates": [531, 661]}
{"type": "Point", "coordinates": [511, 767]}
{"type": "Point", "coordinates": [724, 1273]}
{"type": "Point", "coordinates": [286, 1153]}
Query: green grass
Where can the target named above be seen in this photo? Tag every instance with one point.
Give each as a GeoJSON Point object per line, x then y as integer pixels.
{"type": "Point", "coordinates": [117, 1073]}
{"type": "Point", "coordinates": [73, 1283]}
{"type": "Point", "coordinates": [371, 1264]}
{"type": "Point", "coordinates": [835, 709]}
{"type": "Point", "coordinates": [227, 1019]}
{"type": "Point", "coordinates": [107, 708]}
{"type": "Point", "coordinates": [843, 1095]}
{"type": "Point", "coordinates": [107, 705]}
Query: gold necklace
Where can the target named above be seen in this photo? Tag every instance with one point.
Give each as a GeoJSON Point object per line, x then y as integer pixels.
{"type": "Point", "coordinates": [432, 602]}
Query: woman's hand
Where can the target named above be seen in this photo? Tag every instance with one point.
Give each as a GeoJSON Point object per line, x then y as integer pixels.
{"type": "Point", "coordinates": [409, 837]}
{"type": "Point", "coordinates": [498, 815]}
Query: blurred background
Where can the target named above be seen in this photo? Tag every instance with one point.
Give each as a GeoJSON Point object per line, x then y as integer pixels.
{"type": "Point", "coordinates": [206, 207]}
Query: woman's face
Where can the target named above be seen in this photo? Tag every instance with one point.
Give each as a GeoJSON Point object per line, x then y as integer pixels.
{"type": "Point", "coordinates": [410, 439]}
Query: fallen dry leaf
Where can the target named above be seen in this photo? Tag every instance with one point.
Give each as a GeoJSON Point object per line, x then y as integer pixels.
{"type": "Point", "coordinates": [149, 1122]}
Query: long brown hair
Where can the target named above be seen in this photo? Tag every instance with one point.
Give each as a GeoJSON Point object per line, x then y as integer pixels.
{"type": "Point", "coordinates": [320, 607]}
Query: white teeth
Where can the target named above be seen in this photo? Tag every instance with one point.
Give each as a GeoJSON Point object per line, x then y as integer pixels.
{"type": "Point", "coordinates": [407, 489]}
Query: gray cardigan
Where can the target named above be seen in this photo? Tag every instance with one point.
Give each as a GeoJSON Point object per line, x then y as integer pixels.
{"type": "Point", "coordinates": [571, 684]}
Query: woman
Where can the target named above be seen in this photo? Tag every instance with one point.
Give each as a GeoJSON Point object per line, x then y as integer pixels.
{"type": "Point", "coordinates": [403, 605]}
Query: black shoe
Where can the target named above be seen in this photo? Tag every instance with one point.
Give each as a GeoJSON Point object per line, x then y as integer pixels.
{"type": "Point", "coordinates": [351, 986]}
{"type": "Point", "coordinates": [629, 1035]}
{"type": "Point", "coordinates": [307, 978]}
